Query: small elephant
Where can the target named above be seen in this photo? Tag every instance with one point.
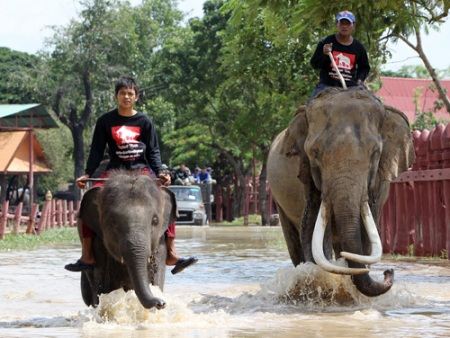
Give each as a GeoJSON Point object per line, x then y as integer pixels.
{"type": "Point", "coordinates": [329, 173]}
{"type": "Point", "coordinates": [129, 216]}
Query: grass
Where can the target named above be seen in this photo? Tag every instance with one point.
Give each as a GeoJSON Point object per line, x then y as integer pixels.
{"type": "Point", "coordinates": [439, 260]}
{"type": "Point", "coordinates": [49, 238]}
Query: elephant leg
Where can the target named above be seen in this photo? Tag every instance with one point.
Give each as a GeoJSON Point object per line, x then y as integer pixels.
{"type": "Point", "coordinates": [292, 237]}
{"type": "Point", "coordinates": [366, 246]}
{"type": "Point", "coordinates": [90, 287]}
{"type": "Point", "coordinates": [328, 243]}
{"type": "Point", "coordinates": [159, 275]}
{"type": "Point", "coordinates": [86, 290]}
{"type": "Point", "coordinates": [309, 221]}
{"type": "Point", "coordinates": [114, 275]}
{"type": "Point", "coordinates": [105, 277]}
{"type": "Point", "coordinates": [336, 244]}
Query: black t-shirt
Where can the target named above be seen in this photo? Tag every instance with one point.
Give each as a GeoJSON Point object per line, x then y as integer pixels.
{"type": "Point", "coordinates": [132, 143]}
{"type": "Point", "coordinates": [351, 60]}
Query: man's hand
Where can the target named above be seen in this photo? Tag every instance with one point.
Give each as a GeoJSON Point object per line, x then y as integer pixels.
{"type": "Point", "coordinates": [81, 181]}
{"type": "Point", "coordinates": [327, 48]}
{"type": "Point", "coordinates": [164, 178]}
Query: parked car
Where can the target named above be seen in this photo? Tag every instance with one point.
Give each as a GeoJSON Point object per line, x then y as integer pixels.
{"type": "Point", "coordinates": [191, 210]}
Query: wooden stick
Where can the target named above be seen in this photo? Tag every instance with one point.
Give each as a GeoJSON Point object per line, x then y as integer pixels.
{"type": "Point", "coordinates": [333, 63]}
{"type": "Point", "coordinates": [95, 180]}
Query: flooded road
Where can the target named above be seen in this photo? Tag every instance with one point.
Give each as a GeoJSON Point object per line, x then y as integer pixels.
{"type": "Point", "coordinates": [243, 286]}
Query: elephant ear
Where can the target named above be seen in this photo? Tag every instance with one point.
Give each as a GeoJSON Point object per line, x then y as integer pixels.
{"type": "Point", "coordinates": [294, 140]}
{"type": "Point", "coordinates": [89, 211]}
{"type": "Point", "coordinates": [173, 202]}
{"type": "Point", "coordinates": [398, 149]}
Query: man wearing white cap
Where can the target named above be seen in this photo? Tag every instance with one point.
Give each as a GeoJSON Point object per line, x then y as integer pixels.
{"type": "Point", "coordinates": [349, 55]}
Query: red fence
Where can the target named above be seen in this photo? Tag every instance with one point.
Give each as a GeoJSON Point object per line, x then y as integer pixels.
{"type": "Point", "coordinates": [54, 213]}
{"type": "Point", "coordinates": [416, 216]}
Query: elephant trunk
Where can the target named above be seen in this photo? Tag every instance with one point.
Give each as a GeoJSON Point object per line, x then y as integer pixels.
{"type": "Point", "coordinates": [349, 224]}
{"type": "Point", "coordinates": [367, 286]}
{"type": "Point", "coordinates": [317, 246]}
{"type": "Point", "coordinates": [136, 261]}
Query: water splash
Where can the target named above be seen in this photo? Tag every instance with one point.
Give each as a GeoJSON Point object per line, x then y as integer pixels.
{"type": "Point", "coordinates": [124, 309]}
{"type": "Point", "coordinates": [308, 288]}
{"type": "Point", "coordinates": [309, 285]}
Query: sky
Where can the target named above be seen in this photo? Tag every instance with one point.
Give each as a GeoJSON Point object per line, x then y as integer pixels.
{"type": "Point", "coordinates": [24, 27]}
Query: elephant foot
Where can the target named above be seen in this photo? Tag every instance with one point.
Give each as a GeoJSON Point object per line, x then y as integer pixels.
{"type": "Point", "coordinates": [183, 263]}
{"type": "Point", "coordinates": [155, 302]}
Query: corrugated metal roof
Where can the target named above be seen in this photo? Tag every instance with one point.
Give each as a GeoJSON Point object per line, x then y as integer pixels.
{"type": "Point", "coordinates": [401, 93]}
{"type": "Point", "coordinates": [31, 115]}
{"type": "Point", "coordinates": [15, 150]}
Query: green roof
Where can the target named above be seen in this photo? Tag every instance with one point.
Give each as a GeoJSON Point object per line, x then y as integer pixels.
{"type": "Point", "coordinates": [31, 115]}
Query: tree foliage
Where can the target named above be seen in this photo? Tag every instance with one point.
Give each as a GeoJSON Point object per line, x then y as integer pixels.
{"type": "Point", "coordinates": [16, 69]}
{"type": "Point", "coordinates": [57, 146]}
{"type": "Point", "coordinates": [408, 71]}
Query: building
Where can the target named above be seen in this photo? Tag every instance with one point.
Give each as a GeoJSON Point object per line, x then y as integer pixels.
{"type": "Point", "coordinates": [21, 152]}
{"type": "Point", "coordinates": [412, 95]}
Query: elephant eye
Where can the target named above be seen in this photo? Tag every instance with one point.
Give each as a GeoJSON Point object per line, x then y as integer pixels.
{"type": "Point", "coordinates": [155, 220]}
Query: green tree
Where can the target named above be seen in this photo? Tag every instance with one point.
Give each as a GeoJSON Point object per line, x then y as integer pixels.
{"type": "Point", "coordinates": [16, 68]}
{"type": "Point", "coordinates": [57, 145]}
{"type": "Point", "coordinates": [267, 79]}
{"type": "Point", "coordinates": [425, 120]}
{"type": "Point", "coordinates": [190, 77]}
{"type": "Point", "coordinates": [408, 71]}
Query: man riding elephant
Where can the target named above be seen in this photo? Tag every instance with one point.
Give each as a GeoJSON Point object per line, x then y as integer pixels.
{"type": "Point", "coordinates": [133, 145]}
{"type": "Point", "coordinates": [349, 55]}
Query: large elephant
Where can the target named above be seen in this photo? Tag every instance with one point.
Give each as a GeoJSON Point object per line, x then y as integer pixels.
{"type": "Point", "coordinates": [329, 173]}
{"type": "Point", "coordinates": [129, 216]}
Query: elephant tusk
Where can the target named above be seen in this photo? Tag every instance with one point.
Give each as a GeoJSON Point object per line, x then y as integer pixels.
{"type": "Point", "coordinates": [122, 260]}
{"type": "Point", "coordinates": [317, 248]}
{"type": "Point", "coordinates": [376, 249]}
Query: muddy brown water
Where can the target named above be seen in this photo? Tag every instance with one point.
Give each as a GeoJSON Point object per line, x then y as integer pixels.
{"type": "Point", "coordinates": [243, 286]}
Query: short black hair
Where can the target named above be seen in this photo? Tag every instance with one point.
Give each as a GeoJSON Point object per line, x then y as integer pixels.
{"type": "Point", "coordinates": [126, 82]}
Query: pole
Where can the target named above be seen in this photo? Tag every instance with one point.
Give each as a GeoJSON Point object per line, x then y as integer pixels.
{"type": "Point", "coordinates": [31, 174]}
{"type": "Point", "coordinates": [333, 63]}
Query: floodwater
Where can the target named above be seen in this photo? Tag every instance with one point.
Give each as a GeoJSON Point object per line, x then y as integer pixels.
{"type": "Point", "coordinates": [243, 286]}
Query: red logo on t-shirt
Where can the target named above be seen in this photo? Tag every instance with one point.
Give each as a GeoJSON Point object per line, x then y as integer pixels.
{"type": "Point", "coordinates": [344, 60]}
{"type": "Point", "coordinates": [126, 134]}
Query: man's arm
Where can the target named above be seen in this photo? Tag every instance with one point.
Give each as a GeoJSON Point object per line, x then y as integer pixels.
{"type": "Point", "coordinates": [363, 66]}
{"type": "Point", "coordinates": [152, 152]}
{"type": "Point", "coordinates": [97, 150]}
{"type": "Point", "coordinates": [319, 59]}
